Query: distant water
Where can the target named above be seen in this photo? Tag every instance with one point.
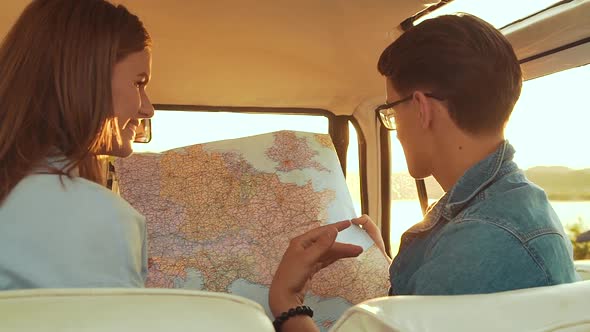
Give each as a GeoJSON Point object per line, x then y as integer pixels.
{"type": "Point", "coordinates": [573, 212]}
{"type": "Point", "coordinates": [404, 214]}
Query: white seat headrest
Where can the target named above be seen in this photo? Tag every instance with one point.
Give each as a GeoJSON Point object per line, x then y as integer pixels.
{"type": "Point", "coordinates": [555, 308]}
{"type": "Point", "coordinates": [130, 310]}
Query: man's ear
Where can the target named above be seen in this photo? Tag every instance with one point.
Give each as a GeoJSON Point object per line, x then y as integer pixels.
{"type": "Point", "coordinates": [425, 109]}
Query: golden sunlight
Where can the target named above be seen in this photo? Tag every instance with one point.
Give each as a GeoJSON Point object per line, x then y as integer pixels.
{"type": "Point", "coordinates": [498, 12]}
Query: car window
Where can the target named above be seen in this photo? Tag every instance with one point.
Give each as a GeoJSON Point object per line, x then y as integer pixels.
{"type": "Point", "coordinates": [549, 130]}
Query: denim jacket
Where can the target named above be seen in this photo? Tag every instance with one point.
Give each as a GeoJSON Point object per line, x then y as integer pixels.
{"type": "Point", "coordinates": [493, 231]}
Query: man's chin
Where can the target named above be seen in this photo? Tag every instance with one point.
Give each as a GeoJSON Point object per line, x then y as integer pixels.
{"type": "Point", "coordinates": [419, 174]}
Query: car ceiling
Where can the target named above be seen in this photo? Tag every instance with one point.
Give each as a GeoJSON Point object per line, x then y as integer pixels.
{"type": "Point", "coordinates": [264, 53]}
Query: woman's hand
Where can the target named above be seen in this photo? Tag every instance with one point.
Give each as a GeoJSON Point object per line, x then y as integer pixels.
{"type": "Point", "coordinates": [374, 232]}
{"type": "Point", "coordinates": [305, 256]}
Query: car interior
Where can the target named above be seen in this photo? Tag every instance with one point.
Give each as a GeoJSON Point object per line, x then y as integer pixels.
{"type": "Point", "coordinates": [234, 62]}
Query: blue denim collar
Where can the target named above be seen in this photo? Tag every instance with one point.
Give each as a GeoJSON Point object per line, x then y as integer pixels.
{"type": "Point", "coordinates": [467, 187]}
{"type": "Point", "coordinates": [477, 178]}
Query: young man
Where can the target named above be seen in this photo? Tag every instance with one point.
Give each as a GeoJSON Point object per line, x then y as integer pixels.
{"type": "Point", "coordinates": [452, 83]}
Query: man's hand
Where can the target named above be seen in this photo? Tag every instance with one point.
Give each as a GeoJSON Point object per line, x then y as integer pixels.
{"type": "Point", "coordinates": [369, 226]}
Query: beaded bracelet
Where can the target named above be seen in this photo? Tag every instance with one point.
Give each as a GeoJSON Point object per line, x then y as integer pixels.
{"type": "Point", "coordinates": [300, 310]}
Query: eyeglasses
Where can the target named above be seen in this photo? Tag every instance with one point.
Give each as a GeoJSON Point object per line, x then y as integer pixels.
{"type": "Point", "coordinates": [387, 113]}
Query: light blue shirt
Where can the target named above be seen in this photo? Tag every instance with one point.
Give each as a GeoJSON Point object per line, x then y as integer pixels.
{"type": "Point", "coordinates": [62, 233]}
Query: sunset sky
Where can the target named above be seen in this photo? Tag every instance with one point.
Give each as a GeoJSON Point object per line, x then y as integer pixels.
{"type": "Point", "coordinates": [550, 125]}
{"type": "Point", "coordinates": [497, 12]}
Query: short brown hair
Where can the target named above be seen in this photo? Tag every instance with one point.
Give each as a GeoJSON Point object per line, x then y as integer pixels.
{"type": "Point", "coordinates": [464, 60]}
{"type": "Point", "coordinates": [56, 67]}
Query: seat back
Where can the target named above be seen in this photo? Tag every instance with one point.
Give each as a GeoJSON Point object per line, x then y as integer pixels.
{"type": "Point", "coordinates": [563, 308]}
{"type": "Point", "coordinates": [130, 310]}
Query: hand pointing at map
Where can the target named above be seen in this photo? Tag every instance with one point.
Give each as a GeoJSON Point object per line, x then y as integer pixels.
{"type": "Point", "coordinates": [305, 256]}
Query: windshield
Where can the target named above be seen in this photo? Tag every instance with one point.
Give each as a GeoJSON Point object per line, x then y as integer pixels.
{"type": "Point", "coordinates": [499, 13]}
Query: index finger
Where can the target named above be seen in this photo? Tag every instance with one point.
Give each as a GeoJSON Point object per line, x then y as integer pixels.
{"type": "Point", "coordinates": [306, 239]}
{"type": "Point", "coordinates": [342, 225]}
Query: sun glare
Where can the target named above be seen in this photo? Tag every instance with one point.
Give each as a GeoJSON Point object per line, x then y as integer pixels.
{"type": "Point", "coordinates": [550, 122]}
{"type": "Point", "coordinates": [548, 126]}
{"type": "Point", "coordinates": [173, 129]}
{"type": "Point", "coordinates": [498, 12]}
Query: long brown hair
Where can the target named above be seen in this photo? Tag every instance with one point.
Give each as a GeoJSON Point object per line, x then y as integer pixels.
{"type": "Point", "coordinates": [56, 66]}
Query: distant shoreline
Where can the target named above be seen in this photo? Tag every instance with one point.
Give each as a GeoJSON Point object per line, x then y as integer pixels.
{"type": "Point", "coordinates": [561, 184]}
{"type": "Point", "coordinates": [575, 199]}
{"type": "Point", "coordinates": [433, 199]}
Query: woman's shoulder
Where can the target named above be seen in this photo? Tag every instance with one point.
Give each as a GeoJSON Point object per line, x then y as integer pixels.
{"type": "Point", "coordinates": [72, 194]}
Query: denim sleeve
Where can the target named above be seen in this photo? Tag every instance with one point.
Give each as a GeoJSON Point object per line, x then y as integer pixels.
{"type": "Point", "coordinates": [473, 257]}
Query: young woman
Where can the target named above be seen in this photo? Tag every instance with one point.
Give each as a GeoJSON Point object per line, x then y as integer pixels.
{"type": "Point", "coordinates": [72, 87]}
